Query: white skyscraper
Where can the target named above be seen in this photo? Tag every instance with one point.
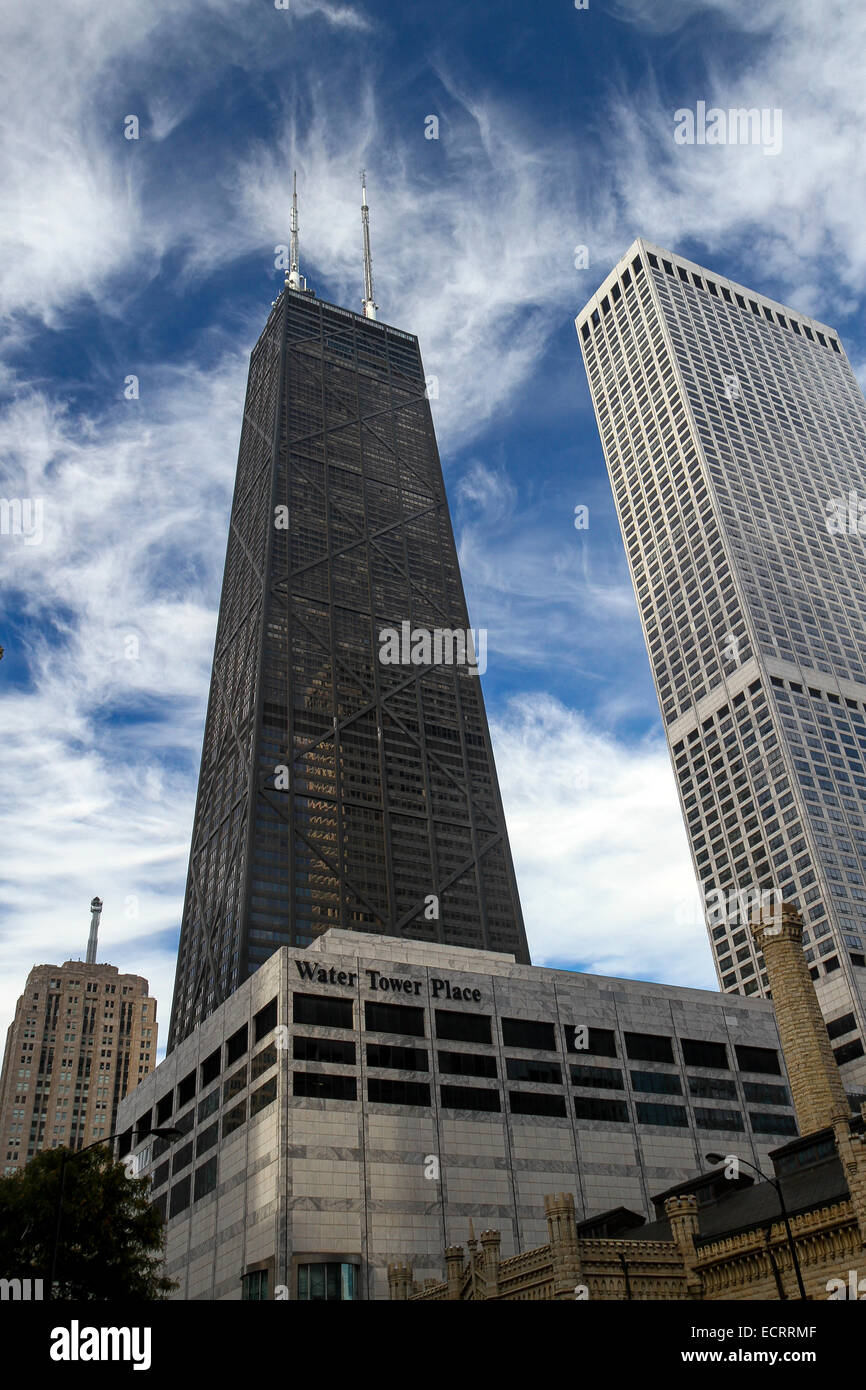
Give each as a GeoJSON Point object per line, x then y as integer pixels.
{"type": "Point", "coordinates": [734, 432]}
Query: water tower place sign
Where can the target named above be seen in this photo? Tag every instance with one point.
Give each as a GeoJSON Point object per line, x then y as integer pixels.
{"type": "Point", "coordinates": [389, 984]}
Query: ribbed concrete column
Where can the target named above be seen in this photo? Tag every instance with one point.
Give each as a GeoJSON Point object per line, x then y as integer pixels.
{"type": "Point", "coordinates": [816, 1086]}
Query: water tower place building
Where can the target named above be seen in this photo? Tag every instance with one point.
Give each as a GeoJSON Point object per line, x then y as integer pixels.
{"type": "Point", "coordinates": [364, 1097]}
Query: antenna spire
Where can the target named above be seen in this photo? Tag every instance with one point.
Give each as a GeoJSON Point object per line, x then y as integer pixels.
{"type": "Point", "coordinates": [95, 912]}
{"type": "Point", "coordinates": [294, 280]}
{"type": "Point", "coordinates": [367, 303]}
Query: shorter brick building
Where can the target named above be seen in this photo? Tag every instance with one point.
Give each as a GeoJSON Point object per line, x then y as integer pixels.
{"type": "Point", "coordinates": [82, 1038]}
{"type": "Point", "coordinates": [725, 1234]}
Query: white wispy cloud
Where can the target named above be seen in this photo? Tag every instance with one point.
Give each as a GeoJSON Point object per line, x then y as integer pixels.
{"type": "Point", "coordinates": [115, 619]}
{"type": "Point", "coordinates": [78, 208]}
{"type": "Point", "coordinates": [599, 847]}
{"type": "Point", "coordinates": [489, 489]}
{"type": "Point", "coordinates": [551, 597]}
{"type": "Point", "coordinates": [798, 218]}
{"type": "Point", "coordinates": [340, 16]}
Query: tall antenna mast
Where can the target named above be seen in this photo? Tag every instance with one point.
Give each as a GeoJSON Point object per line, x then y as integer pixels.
{"type": "Point", "coordinates": [367, 302]}
{"type": "Point", "coordinates": [293, 277]}
{"type": "Point", "coordinates": [95, 912]}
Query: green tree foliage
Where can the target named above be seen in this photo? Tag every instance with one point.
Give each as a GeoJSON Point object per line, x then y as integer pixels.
{"type": "Point", "coordinates": [111, 1238]}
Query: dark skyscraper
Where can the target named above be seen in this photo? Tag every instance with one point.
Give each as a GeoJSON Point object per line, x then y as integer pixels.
{"type": "Point", "coordinates": [338, 789]}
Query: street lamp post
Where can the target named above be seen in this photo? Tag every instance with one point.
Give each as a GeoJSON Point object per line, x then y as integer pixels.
{"type": "Point", "coordinates": [719, 1158]}
{"type": "Point", "coordinates": [66, 1156]}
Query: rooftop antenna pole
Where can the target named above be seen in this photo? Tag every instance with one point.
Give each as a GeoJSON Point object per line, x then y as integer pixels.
{"type": "Point", "coordinates": [95, 912]}
{"type": "Point", "coordinates": [367, 303]}
{"type": "Point", "coordinates": [293, 278]}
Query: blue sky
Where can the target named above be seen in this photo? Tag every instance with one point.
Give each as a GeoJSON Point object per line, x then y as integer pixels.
{"type": "Point", "coordinates": [155, 258]}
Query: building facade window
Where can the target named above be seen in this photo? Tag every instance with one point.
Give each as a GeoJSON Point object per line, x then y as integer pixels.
{"type": "Point", "coordinates": [456, 1027]}
{"type": "Point", "coordinates": [524, 1032]}
{"type": "Point", "coordinates": [254, 1286]}
{"type": "Point", "coordinates": [649, 1047]}
{"type": "Point", "coordinates": [334, 1282]}
{"type": "Point", "coordinates": [316, 1009]}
